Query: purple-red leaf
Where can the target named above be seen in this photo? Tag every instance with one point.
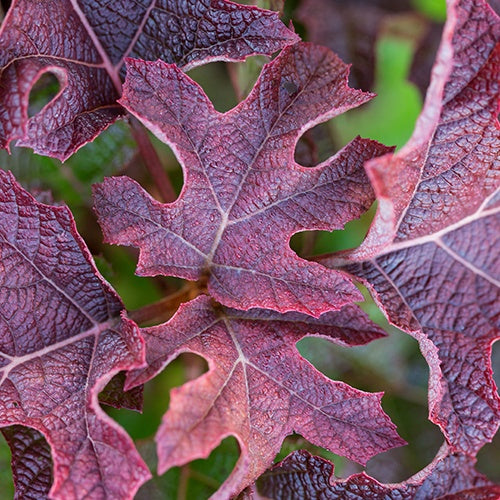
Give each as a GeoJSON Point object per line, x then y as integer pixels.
{"type": "Point", "coordinates": [450, 165]}
{"type": "Point", "coordinates": [259, 389]}
{"type": "Point", "coordinates": [31, 462]}
{"type": "Point", "coordinates": [432, 253]}
{"type": "Point", "coordinates": [114, 395]}
{"type": "Point", "coordinates": [61, 341]}
{"type": "Point", "coordinates": [301, 475]}
{"type": "Point", "coordinates": [83, 43]}
{"type": "Point", "coordinates": [244, 196]}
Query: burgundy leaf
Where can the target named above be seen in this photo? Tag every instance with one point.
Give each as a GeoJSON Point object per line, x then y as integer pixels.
{"type": "Point", "coordinates": [114, 395]}
{"type": "Point", "coordinates": [244, 196]}
{"type": "Point", "coordinates": [339, 25]}
{"type": "Point", "coordinates": [432, 253]}
{"type": "Point", "coordinates": [259, 389]}
{"type": "Point", "coordinates": [425, 53]}
{"type": "Point", "coordinates": [84, 42]}
{"type": "Point", "coordinates": [302, 475]}
{"type": "Point", "coordinates": [495, 5]}
{"type": "Point", "coordinates": [482, 493]}
{"type": "Point", "coordinates": [31, 462]}
{"type": "Point", "coordinates": [61, 341]}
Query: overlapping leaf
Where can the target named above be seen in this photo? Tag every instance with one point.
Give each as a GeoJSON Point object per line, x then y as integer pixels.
{"type": "Point", "coordinates": [432, 254]}
{"type": "Point", "coordinates": [259, 389]}
{"type": "Point", "coordinates": [114, 395]}
{"type": "Point", "coordinates": [31, 462]}
{"type": "Point", "coordinates": [61, 341]}
{"type": "Point", "coordinates": [301, 475]}
{"type": "Point", "coordinates": [84, 43]}
{"type": "Point", "coordinates": [244, 196]}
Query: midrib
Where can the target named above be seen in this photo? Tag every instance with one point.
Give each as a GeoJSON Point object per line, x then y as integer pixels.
{"type": "Point", "coordinates": [19, 360]}
{"type": "Point", "coordinates": [108, 66]}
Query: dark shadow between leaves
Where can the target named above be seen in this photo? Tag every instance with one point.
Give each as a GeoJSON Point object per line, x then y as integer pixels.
{"type": "Point", "coordinates": [488, 459]}
{"type": "Point", "coordinates": [495, 363]}
{"type": "Point", "coordinates": [315, 146]}
{"type": "Point", "coordinates": [4, 7]}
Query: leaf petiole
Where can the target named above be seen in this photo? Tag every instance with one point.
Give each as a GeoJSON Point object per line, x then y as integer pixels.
{"type": "Point", "coordinates": [152, 161]}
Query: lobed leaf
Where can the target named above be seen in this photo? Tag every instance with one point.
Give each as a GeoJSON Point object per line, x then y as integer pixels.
{"type": "Point", "coordinates": [244, 196]}
{"type": "Point", "coordinates": [449, 476]}
{"type": "Point", "coordinates": [431, 255]}
{"type": "Point", "coordinates": [61, 341]}
{"type": "Point", "coordinates": [84, 42]}
{"type": "Point", "coordinates": [31, 462]}
{"type": "Point", "coordinates": [114, 395]}
{"type": "Point", "coordinates": [259, 389]}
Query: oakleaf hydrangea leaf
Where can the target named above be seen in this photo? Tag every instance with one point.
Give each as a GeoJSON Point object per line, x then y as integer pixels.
{"type": "Point", "coordinates": [244, 196]}
{"type": "Point", "coordinates": [31, 462]}
{"type": "Point", "coordinates": [61, 340]}
{"type": "Point", "coordinates": [259, 389]}
{"type": "Point", "coordinates": [84, 42]}
{"type": "Point", "coordinates": [432, 253]}
{"type": "Point", "coordinates": [449, 476]}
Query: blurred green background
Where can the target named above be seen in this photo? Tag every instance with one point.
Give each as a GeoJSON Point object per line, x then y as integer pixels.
{"type": "Point", "coordinates": [393, 365]}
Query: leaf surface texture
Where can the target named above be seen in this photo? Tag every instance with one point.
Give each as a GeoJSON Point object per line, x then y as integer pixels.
{"type": "Point", "coordinates": [84, 42]}
{"type": "Point", "coordinates": [244, 196]}
{"type": "Point", "coordinates": [259, 389]}
{"type": "Point", "coordinates": [61, 340]}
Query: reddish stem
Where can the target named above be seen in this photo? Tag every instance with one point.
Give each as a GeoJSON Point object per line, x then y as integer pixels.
{"type": "Point", "coordinates": [152, 161]}
{"type": "Point", "coordinates": [232, 71]}
{"type": "Point", "coordinates": [163, 309]}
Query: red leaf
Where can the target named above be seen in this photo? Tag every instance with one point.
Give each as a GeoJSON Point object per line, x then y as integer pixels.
{"type": "Point", "coordinates": [61, 341]}
{"type": "Point", "coordinates": [241, 183]}
{"type": "Point", "coordinates": [450, 165]}
{"type": "Point", "coordinates": [482, 493]}
{"type": "Point", "coordinates": [431, 255]}
{"type": "Point", "coordinates": [83, 43]}
{"type": "Point", "coordinates": [114, 395]}
{"type": "Point", "coordinates": [301, 475]}
{"type": "Point", "coordinates": [31, 462]}
{"type": "Point", "coordinates": [259, 389]}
